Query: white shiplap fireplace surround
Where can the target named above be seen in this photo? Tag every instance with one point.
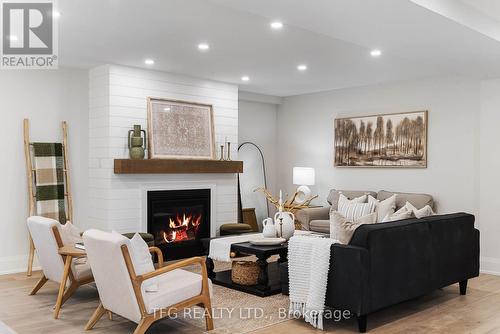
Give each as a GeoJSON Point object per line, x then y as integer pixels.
{"type": "Point", "coordinates": [117, 102]}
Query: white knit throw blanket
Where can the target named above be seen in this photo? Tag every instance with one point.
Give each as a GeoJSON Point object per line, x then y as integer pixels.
{"type": "Point", "coordinates": [308, 265]}
{"type": "Point", "coordinates": [220, 248]}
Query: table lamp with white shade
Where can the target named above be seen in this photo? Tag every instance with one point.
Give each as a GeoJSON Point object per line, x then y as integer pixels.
{"type": "Point", "coordinates": [303, 177]}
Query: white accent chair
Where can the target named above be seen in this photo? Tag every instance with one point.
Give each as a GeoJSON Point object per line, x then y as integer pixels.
{"type": "Point", "coordinates": [46, 235]}
{"type": "Point", "coordinates": [121, 291]}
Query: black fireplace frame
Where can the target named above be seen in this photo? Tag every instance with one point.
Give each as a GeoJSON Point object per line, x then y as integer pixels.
{"type": "Point", "coordinates": [186, 197]}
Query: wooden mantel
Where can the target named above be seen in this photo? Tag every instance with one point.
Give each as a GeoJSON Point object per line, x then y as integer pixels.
{"type": "Point", "coordinates": [178, 166]}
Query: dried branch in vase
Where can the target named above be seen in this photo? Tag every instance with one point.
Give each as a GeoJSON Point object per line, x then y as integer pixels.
{"type": "Point", "coordinates": [288, 203]}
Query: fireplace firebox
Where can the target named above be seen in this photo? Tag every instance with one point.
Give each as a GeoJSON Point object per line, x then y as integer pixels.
{"type": "Point", "coordinates": [179, 219]}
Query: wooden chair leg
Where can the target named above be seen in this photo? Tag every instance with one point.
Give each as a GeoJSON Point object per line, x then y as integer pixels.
{"type": "Point", "coordinates": [98, 313]}
{"type": "Point", "coordinates": [69, 292]}
{"type": "Point", "coordinates": [110, 315]}
{"type": "Point", "coordinates": [209, 322]}
{"type": "Point", "coordinates": [62, 286]}
{"type": "Point", "coordinates": [31, 258]}
{"type": "Point", "coordinates": [144, 324]}
{"type": "Point", "coordinates": [39, 285]}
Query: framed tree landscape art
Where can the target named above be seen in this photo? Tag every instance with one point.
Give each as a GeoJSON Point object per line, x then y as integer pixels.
{"type": "Point", "coordinates": [180, 130]}
{"type": "Point", "coordinates": [388, 140]}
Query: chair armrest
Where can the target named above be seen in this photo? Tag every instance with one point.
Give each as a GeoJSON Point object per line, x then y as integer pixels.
{"type": "Point", "coordinates": [159, 254]}
{"type": "Point", "coordinates": [304, 216]}
{"type": "Point", "coordinates": [177, 265]}
{"type": "Point", "coordinates": [72, 251]}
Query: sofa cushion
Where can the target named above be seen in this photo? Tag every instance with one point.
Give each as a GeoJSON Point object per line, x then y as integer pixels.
{"type": "Point", "coordinates": [419, 213]}
{"type": "Point", "coordinates": [342, 229]}
{"type": "Point", "coordinates": [141, 258]}
{"type": "Point", "coordinates": [383, 208]}
{"type": "Point", "coordinates": [174, 286]}
{"type": "Point", "coordinates": [417, 200]}
{"type": "Point", "coordinates": [320, 225]}
{"type": "Point", "coordinates": [333, 196]}
{"type": "Point", "coordinates": [352, 210]}
{"type": "Point", "coordinates": [401, 215]}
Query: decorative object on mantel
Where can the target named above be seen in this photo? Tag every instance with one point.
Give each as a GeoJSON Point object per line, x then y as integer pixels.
{"type": "Point", "coordinates": [180, 130]}
{"type": "Point", "coordinates": [284, 221]}
{"type": "Point", "coordinates": [228, 144]}
{"type": "Point", "coordinates": [289, 203]}
{"type": "Point", "coordinates": [303, 177]}
{"type": "Point", "coordinates": [388, 140]}
{"type": "Point", "coordinates": [221, 158]}
{"type": "Point", "coordinates": [137, 143]}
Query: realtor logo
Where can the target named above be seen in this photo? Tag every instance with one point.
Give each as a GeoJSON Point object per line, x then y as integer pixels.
{"type": "Point", "coordinates": [29, 35]}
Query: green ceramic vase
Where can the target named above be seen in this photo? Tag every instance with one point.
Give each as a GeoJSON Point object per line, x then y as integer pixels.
{"type": "Point", "coordinates": [137, 143]}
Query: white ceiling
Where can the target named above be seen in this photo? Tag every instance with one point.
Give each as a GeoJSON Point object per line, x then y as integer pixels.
{"type": "Point", "coordinates": [333, 37]}
{"type": "Point", "coordinates": [488, 7]}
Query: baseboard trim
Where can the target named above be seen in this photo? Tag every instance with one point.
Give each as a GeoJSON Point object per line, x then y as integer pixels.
{"type": "Point", "coordinates": [16, 264]}
{"type": "Point", "coordinates": [490, 265]}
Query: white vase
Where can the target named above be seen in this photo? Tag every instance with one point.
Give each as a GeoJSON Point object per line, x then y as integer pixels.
{"type": "Point", "coordinates": [284, 223]}
{"type": "Point", "coordinates": [268, 231]}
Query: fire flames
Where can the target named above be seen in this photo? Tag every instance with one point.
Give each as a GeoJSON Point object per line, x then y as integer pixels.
{"type": "Point", "coordinates": [183, 227]}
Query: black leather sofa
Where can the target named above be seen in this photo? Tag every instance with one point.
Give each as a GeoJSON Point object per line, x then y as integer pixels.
{"type": "Point", "coordinates": [388, 263]}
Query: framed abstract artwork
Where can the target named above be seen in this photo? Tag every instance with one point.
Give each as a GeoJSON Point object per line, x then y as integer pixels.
{"type": "Point", "coordinates": [387, 140]}
{"type": "Point", "coordinates": [180, 130]}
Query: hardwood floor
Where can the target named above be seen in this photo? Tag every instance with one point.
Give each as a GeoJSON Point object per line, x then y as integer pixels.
{"type": "Point", "coordinates": [443, 311]}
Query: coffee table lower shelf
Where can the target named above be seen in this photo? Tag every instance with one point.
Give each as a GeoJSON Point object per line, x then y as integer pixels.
{"type": "Point", "coordinates": [223, 278]}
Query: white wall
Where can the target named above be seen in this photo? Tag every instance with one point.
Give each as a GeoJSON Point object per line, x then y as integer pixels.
{"type": "Point", "coordinates": [306, 138]}
{"type": "Point", "coordinates": [489, 140]}
{"type": "Point", "coordinates": [258, 124]}
{"type": "Point", "coordinates": [118, 100]}
{"type": "Point", "coordinates": [46, 98]}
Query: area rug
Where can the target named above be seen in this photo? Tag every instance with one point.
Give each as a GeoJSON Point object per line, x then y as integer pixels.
{"type": "Point", "coordinates": [238, 312]}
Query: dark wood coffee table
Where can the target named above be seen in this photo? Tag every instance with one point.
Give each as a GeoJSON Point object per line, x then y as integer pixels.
{"type": "Point", "coordinates": [269, 278]}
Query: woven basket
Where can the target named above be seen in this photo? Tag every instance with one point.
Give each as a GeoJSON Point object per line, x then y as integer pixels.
{"type": "Point", "coordinates": [245, 272]}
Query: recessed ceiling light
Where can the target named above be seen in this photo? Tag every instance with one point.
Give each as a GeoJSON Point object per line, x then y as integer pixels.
{"type": "Point", "coordinates": [245, 78]}
{"type": "Point", "coordinates": [375, 53]}
{"type": "Point", "coordinates": [203, 46]}
{"type": "Point", "coordinates": [56, 13]}
{"type": "Point", "coordinates": [276, 25]}
{"type": "Point", "coordinates": [13, 38]}
{"type": "Point", "coordinates": [302, 67]}
{"type": "Point", "coordinates": [149, 62]}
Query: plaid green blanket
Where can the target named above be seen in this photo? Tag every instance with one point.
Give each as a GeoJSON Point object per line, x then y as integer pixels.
{"type": "Point", "coordinates": [49, 180]}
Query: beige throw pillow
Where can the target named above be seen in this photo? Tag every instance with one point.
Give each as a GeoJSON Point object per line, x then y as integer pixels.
{"type": "Point", "coordinates": [342, 229]}
{"type": "Point", "coordinates": [383, 208]}
{"type": "Point", "coordinates": [360, 199]}
{"type": "Point", "coordinates": [70, 234]}
{"type": "Point", "coordinates": [143, 263]}
{"type": "Point", "coordinates": [397, 216]}
{"type": "Point", "coordinates": [420, 213]}
{"type": "Point", "coordinates": [402, 210]}
{"type": "Point", "coordinates": [352, 209]}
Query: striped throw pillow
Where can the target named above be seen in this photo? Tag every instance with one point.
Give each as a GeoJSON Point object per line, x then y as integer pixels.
{"type": "Point", "coordinates": [352, 210]}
